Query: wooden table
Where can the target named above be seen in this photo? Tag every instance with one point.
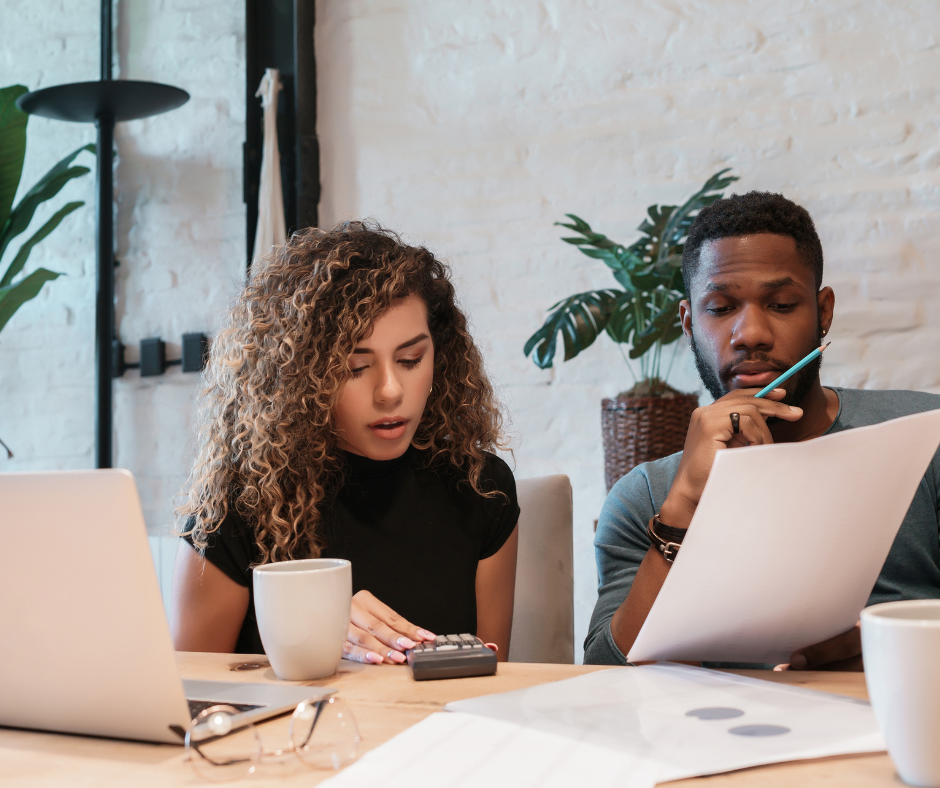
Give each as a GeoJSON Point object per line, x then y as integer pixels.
{"type": "Point", "coordinates": [386, 701]}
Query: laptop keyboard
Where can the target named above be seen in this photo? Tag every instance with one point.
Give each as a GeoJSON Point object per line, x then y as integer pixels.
{"type": "Point", "coordinates": [196, 706]}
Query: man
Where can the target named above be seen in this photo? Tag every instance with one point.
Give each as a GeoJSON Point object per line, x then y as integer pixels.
{"type": "Point", "coordinates": [753, 268]}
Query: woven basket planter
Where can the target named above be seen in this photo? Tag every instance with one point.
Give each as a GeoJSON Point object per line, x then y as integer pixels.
{"type": "Point", "coordinates": [640, 429]}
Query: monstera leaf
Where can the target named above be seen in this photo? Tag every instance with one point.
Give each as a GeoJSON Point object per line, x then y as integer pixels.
{"type": "Point", "coordinates": [579, 319]}
{"type": "Point", "coordinates": [15, 220]}
{"type": "Point", "coordinates": [12, 147]}
{"type": "Point", "coordinates": [645, 313]}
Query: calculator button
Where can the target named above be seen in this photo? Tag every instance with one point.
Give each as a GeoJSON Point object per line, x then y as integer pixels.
{"type": "Point", "coordinates": [468, 638]}
{"type": "Point", "coordinates": [448, 647]}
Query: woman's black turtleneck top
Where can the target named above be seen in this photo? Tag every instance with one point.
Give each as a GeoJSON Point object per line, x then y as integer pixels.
{"type": "Point", "coordinates": [414, 534]}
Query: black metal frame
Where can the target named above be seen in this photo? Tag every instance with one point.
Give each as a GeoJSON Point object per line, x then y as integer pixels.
{"type": "Point", "coordinates": [104, 103]}
{"type": "Point", "coordinates": [279, 34]}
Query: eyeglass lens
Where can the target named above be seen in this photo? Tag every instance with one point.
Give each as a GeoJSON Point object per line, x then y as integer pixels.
{"type": "Point", "coordinates": [324, 734]}
{"type": "Point", "coordinates": [219, 751]}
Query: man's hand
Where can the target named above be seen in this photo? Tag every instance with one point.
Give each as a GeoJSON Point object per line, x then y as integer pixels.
{"type": "Point", "coordinates": [843, 652]}
{"type": "Point", "coordinates": [378, 634]}
{"type": "Point", "coordinates": [710, 430]}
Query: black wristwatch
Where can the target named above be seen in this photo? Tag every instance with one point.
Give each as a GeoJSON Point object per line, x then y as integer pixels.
{"type": "Point", "coordinates": [665, 538]}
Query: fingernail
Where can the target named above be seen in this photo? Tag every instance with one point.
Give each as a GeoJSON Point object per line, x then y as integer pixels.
{"type": "Point", "coordinates": [396, 656]}
{"type": "Point", "coordinates": [795, 409]}
{"type": "Point", "coordinates": [782, 391]}
{"type": "Point", "coordinates": [374, 658]}
{"type": "Point", "coordinates": [406, 642]}
{"type": "Point", "coordinates": [427, 635]}
{"type": "Point", "coordinates": [798, 662]}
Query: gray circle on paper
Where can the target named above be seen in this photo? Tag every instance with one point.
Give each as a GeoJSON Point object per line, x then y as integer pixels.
{"type": "Point", "coordinates": [759, 730]}
{"type": "Point", "coordinates": [715, 713]}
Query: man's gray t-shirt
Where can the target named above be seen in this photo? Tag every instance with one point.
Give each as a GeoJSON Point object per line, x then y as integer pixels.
{"type": "Point", "coordinates": [912, 570]}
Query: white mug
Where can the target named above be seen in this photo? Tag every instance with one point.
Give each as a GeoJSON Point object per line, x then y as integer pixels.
{"type": "Point", "coordinates": [901, 649]}
{"type": "Point", "coordinates": [303, 610]}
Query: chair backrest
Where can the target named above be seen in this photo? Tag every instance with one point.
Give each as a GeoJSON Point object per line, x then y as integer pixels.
{"type": "Point", "coordinates": [543, 615]}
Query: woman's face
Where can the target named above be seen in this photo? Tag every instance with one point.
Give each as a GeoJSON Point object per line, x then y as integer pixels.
{"type": "Point", "coordinates": [381, 404]}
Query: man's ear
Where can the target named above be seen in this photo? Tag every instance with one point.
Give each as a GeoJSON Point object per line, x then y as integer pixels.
{"type": "Point", "coordinates": [825, 304]}
{"type": "Point", "coordinates": [685, 317]}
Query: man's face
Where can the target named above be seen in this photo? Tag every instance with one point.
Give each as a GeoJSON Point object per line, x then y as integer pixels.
{"type": "Point", "coordinates": [753, 312]}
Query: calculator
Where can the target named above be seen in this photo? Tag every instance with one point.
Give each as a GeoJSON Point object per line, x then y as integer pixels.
{"type": "Point", "coordinates": [451, 657]}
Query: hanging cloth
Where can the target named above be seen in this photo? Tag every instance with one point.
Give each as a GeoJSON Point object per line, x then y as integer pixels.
{"type": "Point", "coordinates": [271, 231]}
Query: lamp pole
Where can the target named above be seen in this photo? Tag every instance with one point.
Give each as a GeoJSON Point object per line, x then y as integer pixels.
{"type": "Point", "coordinates": [104, 103]}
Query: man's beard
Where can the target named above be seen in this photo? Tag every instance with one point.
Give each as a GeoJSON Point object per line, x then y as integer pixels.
{"type": "Point", "coordinates": [801, 383]}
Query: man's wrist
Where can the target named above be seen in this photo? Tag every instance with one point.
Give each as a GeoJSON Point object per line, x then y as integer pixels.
{"type": "Point", "coordinates": [677, 510]}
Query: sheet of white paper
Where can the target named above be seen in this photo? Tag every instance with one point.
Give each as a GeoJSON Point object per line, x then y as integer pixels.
{"type": "Point", "coordinates": [686, 721]}
{"type": "Point", "coordinates": [787, 543]}
{"type": "Point", "coordinates": [470, 751]}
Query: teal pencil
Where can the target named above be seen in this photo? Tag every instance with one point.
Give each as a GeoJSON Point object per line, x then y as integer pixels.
{"type": "Point", "coordinates": [792, 371]}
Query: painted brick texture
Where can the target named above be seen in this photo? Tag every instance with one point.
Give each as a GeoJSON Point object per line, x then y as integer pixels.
{"type": "Point", "coordinates": [179, 234]}
{"type": "Point", "coordinates": [472, 126]}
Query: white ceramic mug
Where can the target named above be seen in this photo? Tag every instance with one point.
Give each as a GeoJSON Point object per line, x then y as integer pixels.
{"type": "Point", "coordinates": [901, 649]}
{"type": "Point", "coordinates": [303, 610]}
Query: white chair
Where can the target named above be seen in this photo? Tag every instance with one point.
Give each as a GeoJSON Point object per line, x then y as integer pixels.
{"type": "Point", "coordinates": [543, 615]}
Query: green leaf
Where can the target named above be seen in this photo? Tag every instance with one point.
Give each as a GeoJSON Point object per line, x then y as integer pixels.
{"type": "Point", "coordinates": [680, 220]}
{"type": "Point", "coordinates": [45, 188]}
{"type": "Point", "coordinates": [672, 333]}
{"type": "Point", "coordinates": [579, 225]}
{"type": "Point", "coordinates": [657, 323]}
{"type": "Point", "coordinates": [12, 146]}
{"type": "Point", "coordinates": [21, 256]}
{"type": "Point", "coordinates": [645, 313]}
{"type": "Point", "coordinates": [579, 319]}
{"type": "Point", "coordinates": [12, 297]}
{"type": "Point", "coordinates": [622, 322]}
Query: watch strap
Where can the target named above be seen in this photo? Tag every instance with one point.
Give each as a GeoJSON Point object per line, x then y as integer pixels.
{"type": "Point", "coordinates": [666, 539]}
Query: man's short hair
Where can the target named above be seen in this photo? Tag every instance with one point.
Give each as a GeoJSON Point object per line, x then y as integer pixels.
{"type": "Point", "coordinates": [749, 214]}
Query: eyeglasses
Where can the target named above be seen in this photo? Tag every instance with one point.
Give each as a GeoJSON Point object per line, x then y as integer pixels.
{"type": "Point", "coordinates": [323, 734]}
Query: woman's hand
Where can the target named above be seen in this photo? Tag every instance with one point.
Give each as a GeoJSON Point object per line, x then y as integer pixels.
{"type": "Point", "coordinates": [378, 634]}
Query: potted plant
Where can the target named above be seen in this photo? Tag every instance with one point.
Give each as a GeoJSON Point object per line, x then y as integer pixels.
{"type": "Point", "coordinates": [15, 288]}
{"type": "Point", "coordinates": [649, 420]}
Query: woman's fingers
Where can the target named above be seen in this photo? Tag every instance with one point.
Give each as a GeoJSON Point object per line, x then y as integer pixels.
{"type": "Point", "coordinates": [361, 646]}
{"type": "Point", "coordinates": [383, 623]}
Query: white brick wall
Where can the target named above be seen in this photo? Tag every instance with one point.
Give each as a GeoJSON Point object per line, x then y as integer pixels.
{"type": "Point", "coordinates": [474, 125]}
{"type": "Point", "coordinates": [180, 231]}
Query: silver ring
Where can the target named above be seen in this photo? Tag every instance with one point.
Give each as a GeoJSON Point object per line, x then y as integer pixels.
{"type": "Point", "coordinates": [735, 423]}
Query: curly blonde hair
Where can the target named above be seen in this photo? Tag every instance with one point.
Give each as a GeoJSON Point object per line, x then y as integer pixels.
{"type": "Point", "coordinates": [267, 445]}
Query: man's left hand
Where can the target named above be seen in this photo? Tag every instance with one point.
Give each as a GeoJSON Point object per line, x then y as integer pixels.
{"type": "Point", "coordinates": [843, 652]}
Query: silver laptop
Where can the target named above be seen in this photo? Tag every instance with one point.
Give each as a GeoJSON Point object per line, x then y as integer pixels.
{"type": "Point", "coordinates": [84, 642]}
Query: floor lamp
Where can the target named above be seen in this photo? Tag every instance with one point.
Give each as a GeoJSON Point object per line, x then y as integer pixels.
{"type": "Point", "coordinates": [104, 103]}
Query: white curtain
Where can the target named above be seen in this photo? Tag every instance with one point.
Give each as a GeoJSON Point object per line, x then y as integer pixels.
{"type": "Point", "coordinates": [271, 231]}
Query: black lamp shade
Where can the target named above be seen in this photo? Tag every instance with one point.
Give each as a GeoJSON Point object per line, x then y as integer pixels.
{"type": "Point", "coordinates": [85, 102]}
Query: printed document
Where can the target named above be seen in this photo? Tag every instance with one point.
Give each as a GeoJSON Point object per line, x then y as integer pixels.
{"type": "Point", "coordinates": [787, 543]}
{"type": "Point", "coordinates": [683, 721]}
{"type": "Point", "coordinates": [470, 751]}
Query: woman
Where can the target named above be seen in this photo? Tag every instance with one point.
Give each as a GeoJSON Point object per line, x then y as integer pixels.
{"type": "Point", "coordinates": [347, 415]}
